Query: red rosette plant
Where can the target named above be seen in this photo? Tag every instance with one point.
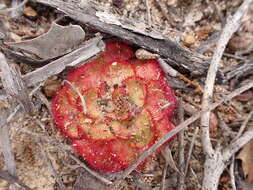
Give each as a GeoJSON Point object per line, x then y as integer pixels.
{"type": "Point", "coordinates": [114, 107]}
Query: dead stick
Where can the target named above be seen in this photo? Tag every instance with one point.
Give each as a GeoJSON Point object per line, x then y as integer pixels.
{"type": "Point", "coordinates": [229, 29]}
{"type": "Point", "coordinates": [14, 85]}
{"type": "Point", "coordinates": [181, 152]}
{"type": "Point", "coordinates": [174, 53]}
{"type": "Point", "coordinates": [88, 50]}
{"type": "Point", "coordinates": [6, 145]}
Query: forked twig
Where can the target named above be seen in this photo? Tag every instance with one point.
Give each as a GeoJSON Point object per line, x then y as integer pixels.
{"type": "Point", "coordinates": [215, 159]}
{"type": "Point", "coordinates": [229, 29]}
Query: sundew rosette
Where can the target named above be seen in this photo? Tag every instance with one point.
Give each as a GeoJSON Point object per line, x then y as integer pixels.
{"type": "Point", "coordinates": [114, 107]}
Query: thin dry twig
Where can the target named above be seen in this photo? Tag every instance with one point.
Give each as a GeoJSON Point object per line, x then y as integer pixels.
{"type": "Point", "coordinates": [50, 165]}
{"type": "Point", "coordinates": [174, 73]}
{"type": "Point", "coordinates": [95, 174]}
{"type": "Point", "coordinates": [236, 145]}
{"type": "Point", "coordinates": [47, 139]}
{"type": "Point", "coordinates": [169, 161]}
{"type": "Point", "coordinates": [240, 71]}
{"type": "Point", "coordinates": [231, 173]}
{"type": "Point", "coordinates": [244, 124]}
{"type": "Point", "coordinates": [13, 180]}
{"type": "Point", "coordinates": [196, 178]}
{"type": "Point", "coordinates": [190, 150]}
{"type": "Point", "coordinates": [88, 50]}
{"type": "Point", "coordinates": [215, 159]}
{"type": "Point", "coordinates": [14, 85]}
{"type": "Point", "coordinates": [182, 126]}
{"type": "Point", "coordinates": [148, 12]}
{"type": "Point", "coordinates": [229, 29]}
{"type": "Point", "coordinates": [5, 143]}
{"type": "Point", "coordinates": [181, 152]}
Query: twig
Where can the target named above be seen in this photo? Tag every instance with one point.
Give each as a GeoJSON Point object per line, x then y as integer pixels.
{"type": "Point", "coordinates": [50, 165]}
{"type": "Point", "coordinates": [13, 8]}
{"type": "Point", "coordinates": [13, 113]}
{"type": "Point", "coordinates": [227, 131]}
{"type": "Point", "coordinates": [131, 31]}
{"type": "Point", "coordinates": [169, 161]}
{"type": "Point", "coordinates": [244, 124]}
{"type": "Point", "coordinates": [18, 56]}
{"type": "Point", "coordinates": [95, 174]}
{"type": "Point", "coordinates": [174, 73]}
{"type": "Point", "coordinates": [181, 152]}
{"type": "Point", "coordinates": [148, 12]}
{"type": "Point", "coordinates": [211, 41]}
{"type": "Point", "coordinates": [196, 178]}
{"type": "Point", "coordinates": [6, 144]}
{"type": "Point", "coordinates": [215, 159]}
{"type": "Point", "coordinates": [89, 49]}
{"type": "Point", "coordinates": [190, 150]}
{"type": "Point", "coordinates": [236, 145]}
{"type": "Point", "coordinates": [79, 94]}
{"type": "Point", "coordinates": [12, 180]}
{"type": "Point", "coordinates": [234, 57]}
{"type": "Point", "coordinates": [137, 181]}
{"type": "Point", "coordinates": [14, 86]}
{"type": "Point", "coordinates": [182, 126]}
{"type": "Point", "coordinates": [231, 173]}
{"type": "Point", "coordinates": [240, 71]}
{"type": "Point", "coordinates": [231, 26]}
{"type": "Point", "coordinates": [47, 139]}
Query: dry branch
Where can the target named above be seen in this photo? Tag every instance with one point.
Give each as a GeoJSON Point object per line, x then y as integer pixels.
{"type": "Point", "coordinates": [5, 143]}
{"type": "Point", "coordinates": [215, 160]}
{"type": "Point", "coordinates": [14, 85]}
{"type": "Point", "coordinates": [88, 50]}
{"type": "Point", "coordinates": [181, 152]}
{"type": "Point", "coordinates": [176, 55]}
{"type": "Point", "coordinates": [229, 29]}
{"type": "Point", "coordinates": [241, 71]}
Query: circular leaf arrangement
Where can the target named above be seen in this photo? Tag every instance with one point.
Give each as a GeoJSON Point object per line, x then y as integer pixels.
{"type": "Point", "coordinates": [114, 107]}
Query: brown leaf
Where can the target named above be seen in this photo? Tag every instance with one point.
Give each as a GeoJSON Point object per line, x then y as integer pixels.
{"type": "Point", "coordinates": [213, 123]}
{"type": "Point", "coordinates": [238, 43]}
{"type": "Point", "coordinates": [59, 40]}
{"type": "Point", "coordinates": [246, 156]}
{"type": "Point", "coordinates": [246, 96]}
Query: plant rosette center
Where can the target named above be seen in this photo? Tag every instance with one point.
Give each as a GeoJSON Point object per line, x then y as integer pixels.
{"type": "Point", "coordinates": [114, 107]}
